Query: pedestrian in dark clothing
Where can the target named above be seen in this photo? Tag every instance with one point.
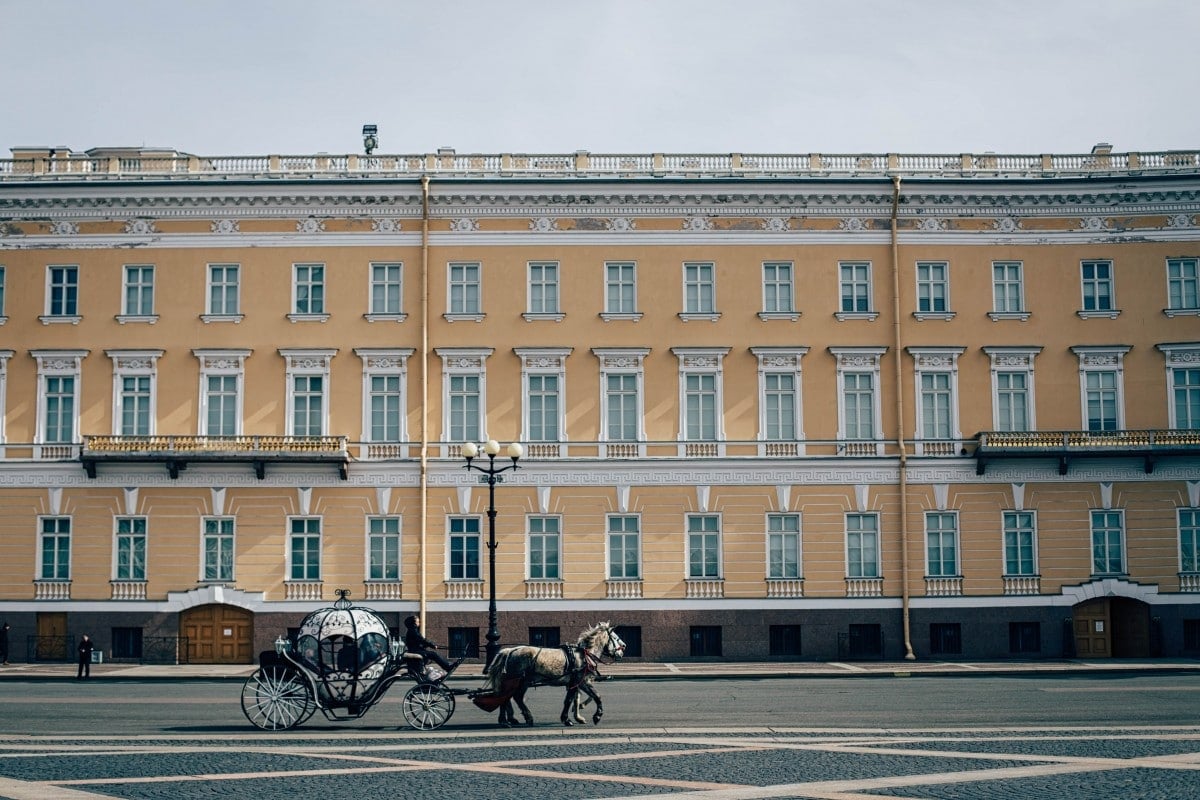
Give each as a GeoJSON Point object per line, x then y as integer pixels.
{"type": "Point", "coordinates": [4, 644]}
{"type": "Point", "coordinates": [414, 642]}
{"type": "Point", "coordinates": [85, 657]}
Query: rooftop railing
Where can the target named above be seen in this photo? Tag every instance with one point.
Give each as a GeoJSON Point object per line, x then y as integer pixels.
{"type": "Point", "coordinates": [582, 164]}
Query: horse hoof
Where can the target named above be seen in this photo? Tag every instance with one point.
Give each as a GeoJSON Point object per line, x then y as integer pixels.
{"type": "Point", "coordinates": [567, 723]}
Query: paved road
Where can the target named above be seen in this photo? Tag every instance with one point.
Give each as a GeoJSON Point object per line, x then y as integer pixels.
{"type": "Point", "coordinates": [1058, 737]}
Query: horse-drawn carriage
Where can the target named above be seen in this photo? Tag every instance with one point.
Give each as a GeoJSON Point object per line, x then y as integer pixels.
{"type": "Point", "coordinates": [343, 661]}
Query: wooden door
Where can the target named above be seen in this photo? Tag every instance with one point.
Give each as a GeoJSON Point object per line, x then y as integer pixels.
{"type": "Point", "coordinates": [1131, 628]}
{"type": "Point", "coordinates": [52, 644]}
{"type": "Point", "coordinates": [1093, 629]}
{"type": "Point", "coordinates": [218, 634]}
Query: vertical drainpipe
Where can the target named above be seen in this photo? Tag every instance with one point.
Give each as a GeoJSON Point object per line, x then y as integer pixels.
{"type": "Point", "coordinates": [900, 440]}
{"type": "Point", "coordinates": [423, 560]}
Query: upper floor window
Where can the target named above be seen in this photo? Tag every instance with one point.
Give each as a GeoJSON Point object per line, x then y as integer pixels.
{"type": "Point", "coordinates": [387, 292]}
{"type": "Point", "coordinates": [465, 538]}
{"type": "Point", "coordinates": [1183, 286]}
{"type": "Point", "coordinates": [941, 544]}
{"type": "Point", "coordinates": [859, 415]}
{"type": "Point", "coordinates": [1108, 542]}
{"type": "Point", "coordinates": [699, 291]}
{"type": "Point", "coordinates": [545, 548]}
{"type": "Point", "coordinates": [54, 547]}
{"type": "Point", "coordinates": [778, 290]}
{"type": "Point", "coordinates": [621, 379]}
{"type": "Point", "coordinates": [307, 391]}
{"type": "Point", "coordinates": [464, 385]}
{"type": "Point", "coordinates": [62, 294]}
{"type": "Point", "coordinates": [308, 292]}
{"type": "Point", "coordinates": [58, 394]}
{"type": "Point", "coordinates": [217, 544]}
{"type": "Point", "coordinates": [384, 373]}
{"type": "Point", "coordinates": [131, 549]}
{"type": "Point", "coordinates": [543, 291]}
{"type": "Point", "coordinates": [862, 546]}
{"type": "Point", "coordinates": [854, 286]}
{"type": "Point", "coordinates": [1183, 385]}
{"type": "Point", "coordinates": [464, 291]}
{"type": "Point", "coordinates": [224, 292]}
{"type": "Point", "coordinates": [1020, 543]}
{"type": "Point", "coordinates": [3, 316]}
{"type": "Point", "coordinates": [134, 385]}
{"type": "Point", "coordinates": [704, 546]}
{"type": "Point", "coordinates": [783, 546]}
{"type": "Point", "coordinates": [1189, 540]}
{"type": "Point", "coordinates": [700, 393]}
{"type": "Point", "coordinates": [624, 547]}
{"type": "Point", "coordinates": [383, 548]}
{"type": "Point", "coordinates": [620, 290]}
{"type": "Point", "coordinates": [139, 293]}
{"type": "Point", "coordinates": [1101, 378]}
{"type": "Point", "coordinates": [543, 370]}
{"type": "Point", "coordinates": [1012, 387]}
{"type": "Point", "coordinates": [937, 398]}
{"type": "Point", "coordinates": [779, 393]}
{"type": "Point", "coordinates": [221, 391]}
{"type": "Point", "coordinates": [304, 549]}
{"type": "Point", "coordinates": [933, 290]}
{"type": "Point", "coordinates": [1008, 291]}
{"type": "Point", "coordinates": [1097, 284]}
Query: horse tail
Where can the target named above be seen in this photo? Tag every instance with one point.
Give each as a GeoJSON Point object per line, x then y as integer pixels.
{"type": "Point", "coordinates": [496, 671]}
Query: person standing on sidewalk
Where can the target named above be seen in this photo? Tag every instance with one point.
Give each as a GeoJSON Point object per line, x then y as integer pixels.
{"type": "Point", "coordinates": [85, 657]}
{"type": "Point", "coordinates": [4, 643]}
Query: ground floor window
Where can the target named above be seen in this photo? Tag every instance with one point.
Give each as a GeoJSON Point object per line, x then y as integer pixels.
{"type": "Point", "coordinates": [1191, 634]}
{"type": "Point", "coordinates": [1024, 637]}
{"type": "Point", "coordinates": [464, 642]}
{"type": "Point", "coordinates": [706, 640]}
{"type": "Point", "coordinates": [544, 637]}
{"type": "Point", "coordinates": [631, 635]}
{"type": "Point", "coordinates": [126, 643]}
{"type": "Point", "coordinates": [945, 638]}
{"type": "Point", "coordinates": [785, 640]}
{"type": "Point", "coordinates": [862, 640]}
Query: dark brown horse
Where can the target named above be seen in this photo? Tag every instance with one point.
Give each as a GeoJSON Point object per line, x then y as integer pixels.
{"type": "Point", "coordinates": [516, 669]}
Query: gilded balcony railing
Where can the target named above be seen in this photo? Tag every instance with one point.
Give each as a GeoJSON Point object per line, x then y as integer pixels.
{"type": "Point", "coordinates": [1148, 445]}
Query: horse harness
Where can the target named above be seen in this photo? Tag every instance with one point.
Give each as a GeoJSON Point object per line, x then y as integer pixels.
{"type": "Point", "coordinates": [580, 663]}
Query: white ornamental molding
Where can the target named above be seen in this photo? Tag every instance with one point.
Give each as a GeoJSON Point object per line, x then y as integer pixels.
{"type": "Point", "coordinates": [544, 362]}
{"type": "Point", "coordinates": [1006, 224]}
{"type": "Point", "coordinates": [851, 224]}
{"type": "Point", "coordinates": [1181, 355]}
{"type": "Point", "coordinates": [931, 224]}
{"type": "Point", "coordinates": [64, 228]}
{"type": "Point", "coordinates": [621, 359]}
{"type": "Point", "coordinates": [543, 224]}
{"type": "Point", "coordinates": [385, 225]}
{"type": "Point", "coordinates": [776, 224]}
{"type": "Point", "coordinates": [1095, 223]}
{"type": "Point", "coordinates": [224, 363]}
{"type": "Point", "coordinates": [381, 363]}
{"type": "Point", "coordinates": [224, 227]}
{"type": "Point", "coordinates": [1099, 360]}
{"type": "Point", "coordinates": [1181, 221]}
{"type": "Point", "coordinates": [697, 224]}
{"type": "Point", "coordinates": [140, 227]}
{"type": "Point", "coordinates": [1022, 360]}
{"type": "Point", "coordinates": [620, 224]}
{"type": "Point", "coordinates": [464, 225]}
{"type": "Point", "coordinates": [310, 225]}
{"type": "Point", "coordinates": [124, 364]}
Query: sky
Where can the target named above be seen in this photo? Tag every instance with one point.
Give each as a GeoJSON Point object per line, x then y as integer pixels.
{"type": "Point", "coordinates": [257, 77]}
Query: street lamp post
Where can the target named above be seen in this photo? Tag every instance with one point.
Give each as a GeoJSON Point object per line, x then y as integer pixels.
{"type": "Point", "coordinates": [491, 449]}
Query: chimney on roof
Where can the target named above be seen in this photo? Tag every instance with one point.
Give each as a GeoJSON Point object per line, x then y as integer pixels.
{"type": "Point", "coordinates": [1102, 149]}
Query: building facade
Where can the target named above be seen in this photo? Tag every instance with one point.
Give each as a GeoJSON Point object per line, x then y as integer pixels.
{"type": "Point", "coordinates": [772, 406]}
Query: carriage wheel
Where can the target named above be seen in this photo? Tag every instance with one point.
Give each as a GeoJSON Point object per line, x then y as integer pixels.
{"type": "Point", "coordinates": [428, 706]}
{"type": "Point", "coordinates": [276, 699]}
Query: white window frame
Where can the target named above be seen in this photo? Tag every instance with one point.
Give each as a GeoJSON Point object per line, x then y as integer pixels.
{"type": "Point", "coordinates": [5, 355]}
{"type": "Point", "coordinates": [784, 535]}
{"type": "Point", "coordinates": [930, 361]}
{"type": "Point", "coordinates": [702, 361]}
{"type": "Point", "coordinates": [783, 305]}
{"type": "Point", "coordinates": [306, 363]}
{"type": "Point", "coordinates": [955, 536]}
{"type": "Point", "coordinates": [132, 282]}
{"type": "Point", "coordinates": [1119, 514]}
{"type": "Point", "coordinates": [1015, 360]}
{"type": "Point", "coordinates": [387, 536]}
{"type": "Point", "coordinates": [927, 284]}
{"type": "Point", "coordinates": [556, 536]}
{"type": "Point", "coordinates": [858, 361]}
{"type": "Point", "coordinates": [1182, 287]}
{"type": "Point", "coordinates": [855, 283]}
{"type": "Point", "coordinates": [1017, 530]}
{"type": "Point", "coordinates": [375, 286]}
{"type": "Point", "coordinates": [689, 520]}
{"type": "Point", "coordinates": [623, 361]}
{"type": "Point", "coordinates": [1182, 357]}
{"type": "Point", "coordinates": [223, 363]}
{"type": "Point", "coordinates": [477, 535]}
{"type": "Point", "coordinates": [57, 364]}
{"type": "Point", "coordinates": [69, 313]}
{"type": "Point", "coordinates": [1191, 531]}
{"type": "Point", "coordinates": [608, 542]}
{"type": "Point", "coordinates": [292, 533]}
{"type": "Point", "coordinates": [384, 363]}
{"type": "Point", "coordinates": [39, 564]}
{"type": "Point", "coordinates": [544, 362]}
{"type": "Point", "coordinates": [549, 308]}
{"type": "Point", "coordinates": [316, 310]}
{"type": "Point", "coordinates": [224, 314]}
{"type": "Point", "coordinates": [3, 276]}
{"type": "Point", "coordinates": [620, 283]}
{"type": "Point", "coordinates": [1097, 360]}
{"type": "Point", "coordinates": [781, 361]}
{"type": "Point", "coordinates": [1097, 287]}
{"type": "Point", "coordinates": [457, 362]}
{"type": "Point", "coordinates": [220, 534]}
{"type": "Point", "coordinates": [134, 364]}
{"type": "Point", "coordinates": [878, 562]}
{"type": "Point", "coordinates": [132, 536]}
{"type": "Point", "coordinates": [704, 308]}
{"type": "Point", "coordinates": [470, 311]}
{"type": "Point", "coordinates": [1006, 282]}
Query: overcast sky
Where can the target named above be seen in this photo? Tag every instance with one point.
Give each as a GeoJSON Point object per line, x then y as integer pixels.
{"type": "Point", "coordinates": [252, 77]}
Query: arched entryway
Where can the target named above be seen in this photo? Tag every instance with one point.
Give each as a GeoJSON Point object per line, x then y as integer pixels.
{"type": "Point", "coordinates": [1112, 627]}
{"type": "Point", "coordinates": [218, 634]}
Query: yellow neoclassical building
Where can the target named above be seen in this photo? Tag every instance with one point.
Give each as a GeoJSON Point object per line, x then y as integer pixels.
{"type": "Point", "coordinates": [770, 406]}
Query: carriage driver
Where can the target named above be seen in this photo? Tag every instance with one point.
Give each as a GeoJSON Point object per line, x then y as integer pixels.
{"type": "Point", "coordinates": [414, 642]}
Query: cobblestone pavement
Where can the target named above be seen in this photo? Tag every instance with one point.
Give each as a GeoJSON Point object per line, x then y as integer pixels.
{"type": "Point", "coordinates": [712, 763]}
